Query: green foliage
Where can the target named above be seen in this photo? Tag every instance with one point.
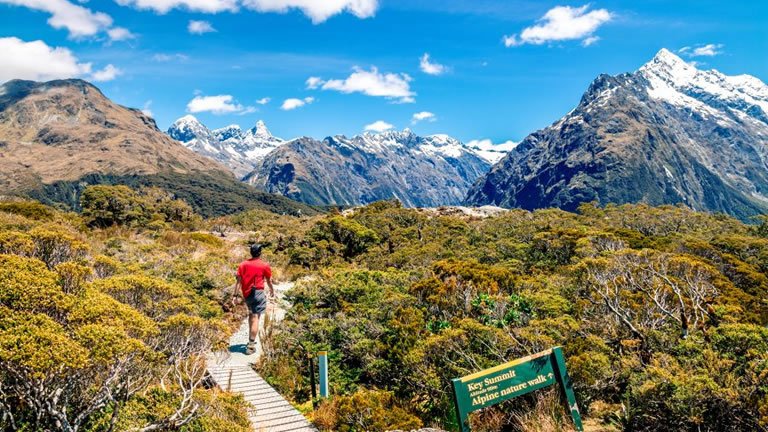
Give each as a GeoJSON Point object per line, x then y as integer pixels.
{"type": "Point", "coordinates": [365, 410]}
{"type": "Point", "coordinates": [86, 339]}
{"type": "Point", "coordinates": [210, 194]}
{"type": "Point", "coordinates": [660, 310]}
{"type": "Point", "coordinates": [500, 311]}
{"type": "Point", "coordinates": [105, 206]}
{"type": "Point", "coordinates": [29, 209]}
{"type": "Point", "coordinates": [353, 238]}
{"type": "Point", "coordinates": [38, 345]}
{"type": "Point", "coordinates": [220, 412]}
{"type": "Point", "coordinates": [153, 297]}
{"type": "Point", "coordinates": [27, 285]}
{"type": "Point", "coordinates": [54, 245]}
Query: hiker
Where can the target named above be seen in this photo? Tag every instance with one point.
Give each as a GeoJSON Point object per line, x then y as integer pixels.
{"type": "Point", "coordinates": [251, 276]}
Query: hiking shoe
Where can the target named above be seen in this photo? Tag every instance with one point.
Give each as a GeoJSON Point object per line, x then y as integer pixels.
{"type": "Point", "coordinates": [250, 348]}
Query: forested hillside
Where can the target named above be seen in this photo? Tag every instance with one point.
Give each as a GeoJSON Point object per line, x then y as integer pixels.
{"type": "Point", "coordinates": [107, 315]}
{"type": "Point", "coordinates": [661, 313]}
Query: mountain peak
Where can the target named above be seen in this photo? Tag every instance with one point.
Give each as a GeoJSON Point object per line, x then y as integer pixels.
{"type": "Point", "coordinates": [228, 132]}
{"type": "Point", "coordinates": [187, 119]}
{"type": "Point", "coordinates": [187, 128]}
{"type": "Point", "coordinates": [261, 130]}
{"type": "Point", "coordinates": [668, 64]}
{"type": "Point", "coordinates": [667, 69]}
{"type": "Point", "coordinates": [667, 57]}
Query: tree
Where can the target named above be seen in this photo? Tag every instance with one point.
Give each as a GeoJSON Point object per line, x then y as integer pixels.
{"type": "Point", "coordinates": [104, 206]}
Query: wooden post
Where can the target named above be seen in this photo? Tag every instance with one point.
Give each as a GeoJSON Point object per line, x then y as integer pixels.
{"type": "Point", "coordinates": [561, 373]}
{"type": "Point", "coordinates": [461, 415]}
{"type": "Point", "coordinates": [311, 361]}
{"type": "Point", "coordinates": [229, 381]}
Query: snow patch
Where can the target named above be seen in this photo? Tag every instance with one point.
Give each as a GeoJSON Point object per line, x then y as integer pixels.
{"type": "Point", "coordinates": [679, 83]}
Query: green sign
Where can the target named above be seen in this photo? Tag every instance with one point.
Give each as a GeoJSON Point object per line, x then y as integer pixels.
{"type": "Point", "coordinates": [513, 379]}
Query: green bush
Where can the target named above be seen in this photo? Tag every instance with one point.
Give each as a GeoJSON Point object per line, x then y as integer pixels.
{"type": "Point", "coordinates": [29, 209]}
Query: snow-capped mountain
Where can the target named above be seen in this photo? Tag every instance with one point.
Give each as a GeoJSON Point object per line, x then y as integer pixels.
{"type": "Point", "coordinates": [238, 150]}
{"type": "Point", "coordinates": [681, 84]}
{"type": "Point", "coordinates": [668, 133]}
{"type": "Point", "coordinates": [419, 171]}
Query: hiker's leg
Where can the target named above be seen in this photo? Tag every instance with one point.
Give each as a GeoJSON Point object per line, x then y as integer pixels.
{"type": "Point", "coordinates": [253, 322]}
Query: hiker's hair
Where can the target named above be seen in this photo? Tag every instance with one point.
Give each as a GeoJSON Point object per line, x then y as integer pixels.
{"type": "Point", "coordinates": [255, 250]}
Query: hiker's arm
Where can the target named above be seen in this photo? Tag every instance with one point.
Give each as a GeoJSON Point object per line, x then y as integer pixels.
{"type": "Point", "coordinates": [237, 288]}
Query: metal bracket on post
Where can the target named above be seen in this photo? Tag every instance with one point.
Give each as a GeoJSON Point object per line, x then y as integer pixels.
{"type": "Point", "coordinates": [322, 357]}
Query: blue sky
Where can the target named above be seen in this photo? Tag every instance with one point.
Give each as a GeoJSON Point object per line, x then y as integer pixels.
{"type": "Point", "coordinates": [497, 69]}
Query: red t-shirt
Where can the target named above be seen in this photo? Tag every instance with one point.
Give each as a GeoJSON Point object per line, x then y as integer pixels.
{"type": "Point", "coordinates": [252, 273]}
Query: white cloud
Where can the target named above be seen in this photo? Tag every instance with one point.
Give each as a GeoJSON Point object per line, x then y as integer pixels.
{"type": "Point", "coordinates": [486, 144]}
{"type": "Point", "coordinates": [109, 73]}
{"type": "Point", "coordinates": [562, 23]}
{"type": "Point", "coordinates": [317, 10]}
{"type": "Point", "coordinates": [490, 151]}
{"type": "Point", "coordinates": [372, 83]}
{"type": "Point", "coordinates": [590, 40]}
{"type": "Point", "coordinates": [263, 101]}
{"type": "Point", "coordinates": [200, 27]}
{"type": "Point", "coordinates": [314, 82]}
{"type": "Point", "coordinates": [120, 34]}
{"type": "Point", "coordinates": [423, 115]}
{"type": "Point", "coordinates": [708, 50]}
{"type": "Point", "coordinates": [379, 126]}
{"type": "Point", "coordinates": [247, 110]}
{"type": "Point", "coordinates": [37, 61]}
{"type": "Point", "coordinates": [161, 57]}
{"type": "Point", "coordinates": [146, 109]}
{"type": "Point", "coordinates": [220, 104]}
{"type": "Point", "coordinates": [510, 41]}
{"type": "Point", "coordinates": [163, 6]}
{"type": "Point", "coordinates": [431, 68]}
{"type": "Point", "coordinates": [293, 103]}
{"type": "Point", "coordinates": [78, 20]}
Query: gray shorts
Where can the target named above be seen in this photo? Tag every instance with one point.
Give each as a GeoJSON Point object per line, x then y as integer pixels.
{"type": "Point", "coordinates": [256, 301]}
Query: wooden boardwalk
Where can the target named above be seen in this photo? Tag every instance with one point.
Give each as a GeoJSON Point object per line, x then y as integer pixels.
{"type": "Point", "coordinates": [232, 371]}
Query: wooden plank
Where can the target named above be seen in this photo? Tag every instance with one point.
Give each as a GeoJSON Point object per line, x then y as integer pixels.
{"type": "Point", "coordinates": [270, 412]}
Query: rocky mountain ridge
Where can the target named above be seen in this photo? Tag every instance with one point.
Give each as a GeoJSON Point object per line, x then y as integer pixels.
{"type": "Point", "coordinates": [237, 149]}
{"type": "Point", "coordinates": [668, 133]}
{"type": "Point", "coordinates": [419, 171]}
{"type": "Point", "coordinates": [428, 170]}
{"type": "Point", "coordinates": [59, 136]}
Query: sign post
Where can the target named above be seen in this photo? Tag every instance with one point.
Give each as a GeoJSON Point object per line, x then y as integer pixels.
{"type": "Point", "coordinates": [323, 363]}
{"type": "Point", "coordinates": [516, 378]}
